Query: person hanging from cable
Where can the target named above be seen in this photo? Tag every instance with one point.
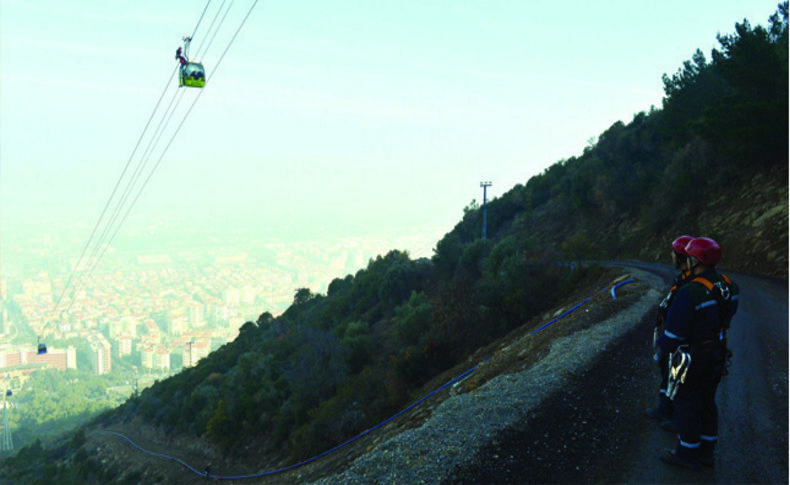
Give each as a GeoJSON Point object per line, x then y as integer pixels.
{"type": "Point", "coordinates": [183, 60]}
{"type": "Point", "coordinates": [181, 55]}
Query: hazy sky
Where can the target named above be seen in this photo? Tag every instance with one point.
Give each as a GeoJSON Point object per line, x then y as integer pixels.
{"type": "Point", "coordinates": [329, 112]}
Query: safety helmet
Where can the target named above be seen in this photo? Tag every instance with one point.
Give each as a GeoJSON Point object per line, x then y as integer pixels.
{"type": "Point", "coordinates": [679, 244]}
{"type": "Point", "coordinates": [705, 249]}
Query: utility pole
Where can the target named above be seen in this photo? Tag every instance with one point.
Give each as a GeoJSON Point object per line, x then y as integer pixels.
{"type": "Point", "coordinates": [485, 185]}
{"type": "Point", "coordinates": [8, 444]}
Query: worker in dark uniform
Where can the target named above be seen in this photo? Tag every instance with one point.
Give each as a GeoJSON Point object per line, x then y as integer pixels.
{"type": "Point", "coordinates": [181, 58]}
{"type": "Point", "coordinates": [695, 332]}
{"type": "Point", "coordinates": [663, 412]}
{"type": "Point", "coordinates": [181, 55]}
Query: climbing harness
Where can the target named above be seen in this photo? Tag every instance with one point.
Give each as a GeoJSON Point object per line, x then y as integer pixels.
{"type": "Point", "coordinates": [722, 293]}
{"type": "Point", "coordinates": [679, 363]}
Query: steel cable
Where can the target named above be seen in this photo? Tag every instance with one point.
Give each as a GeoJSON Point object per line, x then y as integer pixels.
{"type": "Point", "coordinates": [102, 241]}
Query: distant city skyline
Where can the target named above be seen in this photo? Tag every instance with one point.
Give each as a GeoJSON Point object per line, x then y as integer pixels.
{"type": "Point", "coordinates": [53, 242]}
{"type": "Point", "coordinates": [156, 302]}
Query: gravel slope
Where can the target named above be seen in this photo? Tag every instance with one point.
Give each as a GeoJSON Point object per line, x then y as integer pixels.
{"type": "Point", "coordinates": [463, 429]}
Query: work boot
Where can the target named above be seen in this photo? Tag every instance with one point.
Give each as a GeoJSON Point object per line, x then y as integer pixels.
{"type": "Point", "coordinates": [671, 457]}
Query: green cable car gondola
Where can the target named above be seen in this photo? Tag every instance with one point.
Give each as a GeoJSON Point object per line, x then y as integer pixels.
{"type": "Point", "coordinates": [193, 75]}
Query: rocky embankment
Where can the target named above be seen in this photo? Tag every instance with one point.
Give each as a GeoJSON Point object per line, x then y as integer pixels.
{"type": "Point", "coordinates": [472, 418]}
{"type": "Point", "coordinates": [511, 384]}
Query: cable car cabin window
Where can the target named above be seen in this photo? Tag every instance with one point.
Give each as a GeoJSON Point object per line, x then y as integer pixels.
{"type": "Point", "coordinates": [193, 75]}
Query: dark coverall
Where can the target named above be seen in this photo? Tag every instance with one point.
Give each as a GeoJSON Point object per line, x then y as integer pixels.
{"type": "Point", "coordinates": [693, 320]}
{"type": "Point", "coordinates": [181, 58]}
{"type": "Point", "coordinates": [665, 407]}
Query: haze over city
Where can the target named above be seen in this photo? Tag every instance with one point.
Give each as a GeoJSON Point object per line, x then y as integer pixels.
{"type": "Point", "coordinates": [329, 133]}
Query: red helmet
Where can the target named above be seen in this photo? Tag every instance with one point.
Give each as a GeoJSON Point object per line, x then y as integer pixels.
{"type": "Point", "coordinates": [679, 244]}
{"type": "Point", "coordinates": [705, 249]}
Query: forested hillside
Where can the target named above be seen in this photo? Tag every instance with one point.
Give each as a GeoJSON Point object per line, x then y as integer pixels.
{"type": "Point", "coordinates": [713, 160]}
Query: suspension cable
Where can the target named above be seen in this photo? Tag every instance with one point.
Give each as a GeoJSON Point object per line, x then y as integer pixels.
{"type": "Point", "coordinates": [120, 179]}
{"type": "Point", "coordinates": [108, 234]}
{"type": "Point", "coordinates": [115, 189]}
{"type": "Point", "coordinates": [141, 165]}
{"type": "Point", "coordinates": [235, 34]}
{"type": "Point", "coordinates": [194, 31]}
{"type": "Point", "coordinates": [202, 51]}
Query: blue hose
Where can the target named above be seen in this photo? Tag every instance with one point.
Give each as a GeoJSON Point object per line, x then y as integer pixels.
{"type": "Point", "coordinates": [366, 432]}
{"type": "Point", "coordinates": [619, 285]}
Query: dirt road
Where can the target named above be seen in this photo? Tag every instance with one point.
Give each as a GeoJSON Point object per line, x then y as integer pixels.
{"type": "Point", "coordinates": [753, 401]}
{"type": "Point", "coordinates": [595, 430]}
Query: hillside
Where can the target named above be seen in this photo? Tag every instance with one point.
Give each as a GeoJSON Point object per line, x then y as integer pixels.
{"type": "Point", "coordinates": [712, 161]}
{"type": "Point", "coordinates": [573, 341]}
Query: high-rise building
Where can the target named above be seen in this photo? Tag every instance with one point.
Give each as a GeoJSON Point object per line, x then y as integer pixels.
{"type": "Point", "coordinates": [161, 359]}
{"type": "Point", "coordinates": [195, 312]}
{"type": "Point", "coordinates": [176, 326]}
{"type": "Point", "coordinates": [125, 345]}
{"type": "Point", "coordinates": [232, 297]}
{"type": "Point", "coordinates": [177, 321]}
{"type": "Point", "coordinates": [71, 358]}
{"type": "Point", "coordinates": [147, 357]}
{"type": "Point", "coordinates": [247, 294]}
{"type": "Point", "coordinates": [101, 359]}
{"type": "Point", "coordinates": [5, 326]}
